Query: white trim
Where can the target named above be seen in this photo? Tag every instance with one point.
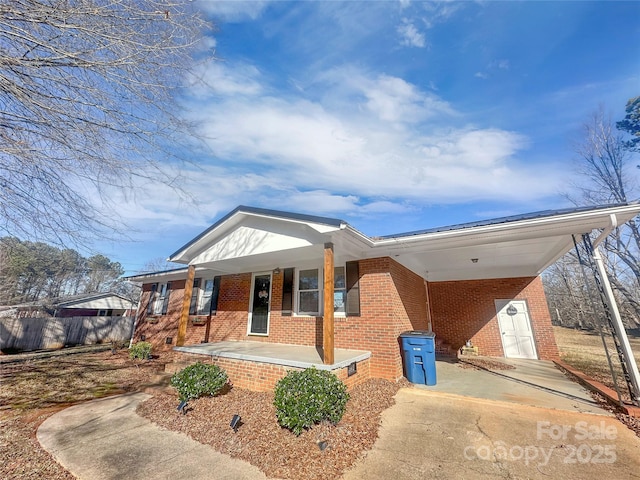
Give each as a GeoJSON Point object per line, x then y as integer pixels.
{"type": "Point", "coordinates": [250, 314]}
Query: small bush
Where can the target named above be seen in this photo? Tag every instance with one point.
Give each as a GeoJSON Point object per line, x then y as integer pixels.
{"type": "Point", "coordinates": [305, 398]}
{"type": "Point", "coordinates": [140, 350]}
{"type": "Point", "coordinates": [198, 380]}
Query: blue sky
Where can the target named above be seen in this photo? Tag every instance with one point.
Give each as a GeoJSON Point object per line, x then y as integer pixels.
{"type": "Point", "coordinates": [393, 116]}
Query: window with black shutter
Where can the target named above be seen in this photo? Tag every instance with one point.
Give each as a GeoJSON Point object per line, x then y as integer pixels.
{"type": "Point", "coordinates": [152, 298]}
{"type": "Point", "coordinates": [287, 291]}
{"type": "Point", "coordinates": [353, 289]}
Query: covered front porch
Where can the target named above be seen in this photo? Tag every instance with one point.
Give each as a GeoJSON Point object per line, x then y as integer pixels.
{"type": "Point", "coordinates": [259, 365]}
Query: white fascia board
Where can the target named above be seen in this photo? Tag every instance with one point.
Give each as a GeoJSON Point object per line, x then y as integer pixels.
{"type": "Point", "coordinates": [579, 222]}
{"type": "Point", "coordinates": [168, 276]}
{"type": "Point", "coordinates": [111, 302]}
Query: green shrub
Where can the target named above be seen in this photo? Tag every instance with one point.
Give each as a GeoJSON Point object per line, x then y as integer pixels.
{"type": "Point", "coordinates": [140, 350]}
{"type": "Point", "coordinates": [305, 398]}
{"type": "Point", "coordinates": [198, 380]}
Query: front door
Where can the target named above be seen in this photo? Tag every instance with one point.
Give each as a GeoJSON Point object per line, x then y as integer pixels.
{"type": "Point", "coordinates": [515, 329]}
{"type": "Point", "coordinates": [260, 302]}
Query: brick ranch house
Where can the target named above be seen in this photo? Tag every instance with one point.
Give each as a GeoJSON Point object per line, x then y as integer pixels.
{"type": "Point", "coordinates": [266, 291]}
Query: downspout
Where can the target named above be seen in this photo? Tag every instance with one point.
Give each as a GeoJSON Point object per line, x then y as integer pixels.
{"type": "Point", "coordinates": [616, 319]}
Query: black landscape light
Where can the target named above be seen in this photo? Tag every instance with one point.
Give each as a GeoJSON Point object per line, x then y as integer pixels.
{"type": "Point", "coordinates": [322, 444]}
{"type": "Point", "coordinates": [235, 422]}
{"type": "Point", "coordinates": [182, 407]}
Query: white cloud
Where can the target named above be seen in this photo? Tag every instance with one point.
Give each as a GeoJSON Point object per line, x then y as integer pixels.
{"type": "Point", "coordinates": [222, 79]}
{"type": "Point", "coordinates": [378, 144]}
{"type": "Point", "coordinates": [410, 36]}
{"type": "Point", "coordinates": [494, 65]}
{"type": "Point", "coordinates": [367, 144]}
{"type": "Point", "coordinates": [234, 10]}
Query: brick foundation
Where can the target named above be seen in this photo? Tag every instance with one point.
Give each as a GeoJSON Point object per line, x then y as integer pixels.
{"type": "Point", "coordinates": [262, 377]}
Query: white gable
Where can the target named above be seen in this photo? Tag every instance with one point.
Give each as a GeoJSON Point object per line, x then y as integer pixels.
{"type": "Point", "coordinates": [247, 241]}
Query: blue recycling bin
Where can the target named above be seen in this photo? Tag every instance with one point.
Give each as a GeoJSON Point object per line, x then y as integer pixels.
{"type": "Point", "coordinates": [419, 356]}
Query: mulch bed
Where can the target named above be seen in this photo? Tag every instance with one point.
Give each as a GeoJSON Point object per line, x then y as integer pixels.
{"type": "Point", "coordinates": [273, 449]}
{"type": "Point", "coordinates": [484, 364]}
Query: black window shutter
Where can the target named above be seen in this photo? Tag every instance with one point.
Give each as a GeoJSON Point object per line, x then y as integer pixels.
{"type": "Point", "coordinates": [214, 295]}
{"type": "Point", "coordinates": [353, 289]}
{"type": "Point", "coordinates": [154, 287]}
{"type": "Point", "coordinates": [193, 305]}
{"type": "Point", "coordinates": [287, 292]}
{"type": "Point", "coordinates": [165, 305]}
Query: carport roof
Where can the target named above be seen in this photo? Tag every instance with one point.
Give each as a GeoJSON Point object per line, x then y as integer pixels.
{"type": "Point", "coordinates": [511, 218]}
{"type": "Point", "coordinates": [254, 239]}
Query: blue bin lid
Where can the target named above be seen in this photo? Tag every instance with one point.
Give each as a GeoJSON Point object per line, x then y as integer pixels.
{"type": "Point", "coordinates": [417, 334]}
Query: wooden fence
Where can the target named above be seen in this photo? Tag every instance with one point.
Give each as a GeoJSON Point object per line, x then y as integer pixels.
{"type": "Point", "coordinates": [27, 334]}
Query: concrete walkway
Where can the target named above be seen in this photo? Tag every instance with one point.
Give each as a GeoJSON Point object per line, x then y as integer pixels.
{"type": "Point", "coordinates": [105, 440]}
{"type": "Point", "coordinates": [429, 433]}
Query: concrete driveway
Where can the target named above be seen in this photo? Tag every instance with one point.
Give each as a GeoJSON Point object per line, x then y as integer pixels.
{"type": "Point", "coordinates": [532, 423]}
{"type": "Point", "coordinates": [438, 435]}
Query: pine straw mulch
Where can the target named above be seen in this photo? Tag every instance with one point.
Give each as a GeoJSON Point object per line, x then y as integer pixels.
{"type": "Point", "coordinates": [35, 388]}
{"type": "Point", "coordinates": [21, 456]}
{"type": "Point", "coordinates": [275, 450]}
{"type": "Point", "coordinates": [483, 364]}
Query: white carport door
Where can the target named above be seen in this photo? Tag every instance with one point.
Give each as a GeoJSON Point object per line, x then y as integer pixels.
{"type": "Point", "coordinates": [515, 329]}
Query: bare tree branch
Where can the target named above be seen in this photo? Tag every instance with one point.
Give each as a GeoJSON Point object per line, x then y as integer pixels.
{"type": "Point", "coordinates": [88, 102]}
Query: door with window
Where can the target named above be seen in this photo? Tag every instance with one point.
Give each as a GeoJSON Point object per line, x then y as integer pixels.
{"type": "Point", "coordinates": [260, 304]}
{"type": "Point", "coordinates": [515, 329]}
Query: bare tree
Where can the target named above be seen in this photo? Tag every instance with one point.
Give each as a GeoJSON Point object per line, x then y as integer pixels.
{"type": "Point", "coordinates": [88, 103]}
{"type": "Point", "coordinates": [607, 175]}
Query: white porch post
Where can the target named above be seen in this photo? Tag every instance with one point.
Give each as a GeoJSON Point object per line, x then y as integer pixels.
{"type": "Point", "coordinates": [630, 361]}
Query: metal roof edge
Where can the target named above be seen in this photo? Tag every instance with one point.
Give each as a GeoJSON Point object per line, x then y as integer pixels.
{"type": "Point", "coordinates": [503, 220]}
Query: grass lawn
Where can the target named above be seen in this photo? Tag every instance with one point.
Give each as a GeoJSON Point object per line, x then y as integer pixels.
{"type": "Point", "coordinates": [584, 351]}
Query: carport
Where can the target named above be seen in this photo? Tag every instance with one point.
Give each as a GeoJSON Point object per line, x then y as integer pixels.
{"type": "Point", "coordinates": [522, 246]}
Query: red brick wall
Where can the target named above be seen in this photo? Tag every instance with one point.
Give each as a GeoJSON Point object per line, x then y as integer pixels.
{"type": "Point", "coordinates": [392, 300]}
{"type": "Point", "coordinates": [262, 377]}
{"type": "Point", "coordinates": [466, 310]}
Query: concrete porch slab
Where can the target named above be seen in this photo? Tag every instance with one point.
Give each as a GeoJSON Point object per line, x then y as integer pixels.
{"type": "Point", "coordinates": [299, 356]}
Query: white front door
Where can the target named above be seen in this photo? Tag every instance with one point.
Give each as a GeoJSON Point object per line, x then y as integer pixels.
{"type": "Point", "coordinates": [515, 329]}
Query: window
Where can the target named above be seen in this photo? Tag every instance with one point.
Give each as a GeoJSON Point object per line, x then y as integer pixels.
{"type": "Point", "coordinates": [152, 298]}
{"type": "Point", "coordinates": [162, 299]}
{"type": "Point", "coordinates": [195, 296]}
{"type": "Point", "coordinates": [339, 290]}
{"type": "Point", "coordinates": [309, 292]}
{"type": "Point", "coordinates": [204, 305]}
